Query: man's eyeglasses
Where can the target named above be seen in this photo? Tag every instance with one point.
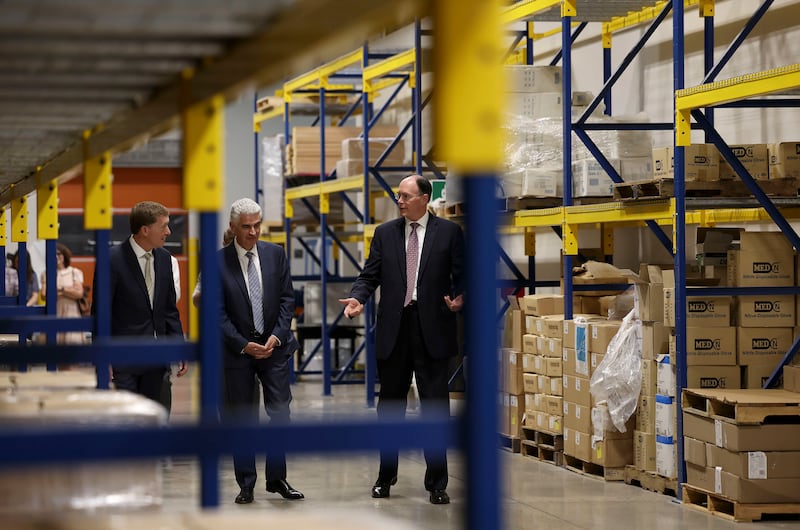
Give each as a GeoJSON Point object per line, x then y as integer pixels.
{"type": "Point", "coordinates": [405, 197]}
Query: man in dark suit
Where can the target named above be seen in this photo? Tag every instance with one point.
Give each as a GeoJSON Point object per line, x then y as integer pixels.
{"type": "Point", "coordinates": [143, 295]}
{"type": "Point", "coordinates": [417, 261]}
{"type": "Point", "coordinates": [257, 309]}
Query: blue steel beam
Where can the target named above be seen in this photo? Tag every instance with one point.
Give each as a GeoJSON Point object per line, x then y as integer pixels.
{"type": "Point", "coordinates": [417, 97]}
{"type": "Point", "coordinates": [708, 56]}
{"type": "Point", "coordinates": [101, 301]}
{"type": "Point", "coordinates": [374, 120]}
{"type": "Point", "coordinates": [625, 62]}
{"type": "Point", "coordinates": [518, 36]}
{"type": "Point", "coordinates": [566, 117]}
{"type": "Point", "coordinates": [572, 38]}
{"type": "Point", "coordinates": [606, 77]}
{"type": "Point", "coordinates": [737, 42]}
{"type": "Point", "coordinates": [120, 352]}
{"type": "Point", "coordinates": [766, 203]}
{"type": "Point", "coordinates": [504, 257]}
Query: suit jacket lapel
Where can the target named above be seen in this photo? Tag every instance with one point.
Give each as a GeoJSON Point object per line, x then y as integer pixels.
{"type": "Point", "coordinates": [427, 245]}
{"type": "Point", "coordinates": [400, 245]}
{"type": "Point", "coordinates": [232, 261]}
{"type": "Point", "coordinates": [135, 270]}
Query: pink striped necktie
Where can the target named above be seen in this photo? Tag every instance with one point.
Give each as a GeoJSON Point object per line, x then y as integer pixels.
{"type": "Point", "coordinates": [412, 257]}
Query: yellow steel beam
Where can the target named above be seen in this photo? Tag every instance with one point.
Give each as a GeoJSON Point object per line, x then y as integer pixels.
{"type": "Point", "coordinates": [469, 71]}
{"type": "Point", "coordinates": [530, 242]}
{"type": "Point", "coordinates": [735, 215]}
{"type": "Point", "coordinates": [522, 10]}
{"type": "Point", "coordinates": [321, 73]}
{"type": "Point", "coordinates": [636, 18]}
{"type": "Point", "coordinates": [772, 81]}
{"type": "Point", "coordinates": [96, 189]}
{"type": "Point", "coordinates": [47, 210]}
{"type": "Point", "coordinates": [388, 66]}
{"type": "Point", "coordinates": [369, 233]}
{"type": "Point", "coordinates": [539, 217]}
{"type": "Point", "coordinates": [19, 219]}
{"type": "Point", "coordinates": [706, 8]}
{"type": "Point", "coordinates": [3, 225]}
{"type": "Point", "coordinates": [203, 155]}
{"type": "Point", "coordinates": [261, 117]}
{"type": "Point", "coordinates": [569, 238]}
{"type": "Point", "coordinates": [618, 212]}
{"type": "Point", "coordinates": [320, 188]}
{"type": "Point", "coordinates": [279, 238]}
{"type": "Point", "coordinates": [194, 268]}
{"type": "Point", "coordinates": [607, 235]}
{"type": "Point", "coordinates": [377, 86]}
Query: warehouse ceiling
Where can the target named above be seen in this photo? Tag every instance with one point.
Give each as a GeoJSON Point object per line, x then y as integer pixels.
{"type": "Point", "coordinates": [114, 67]}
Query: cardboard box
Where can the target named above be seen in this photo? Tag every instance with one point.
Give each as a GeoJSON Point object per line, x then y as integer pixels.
{"type": "Point", "coordinates": [766, 437]}
{"type": "Point", "coordinates": [514, 327]}
{"type": "Point", "coordinates": [753, 157]}
{"type": "Point", "coordinates": [708, 346]}
{"type": "Point", "coordinates": [754, 465]}
{"type": "Point", "coordinates": [757, 375]}
{"type": "Point", "coordinates": [353, 149]}
{"type": "Point", "coordinates": [644, 451]}
{"type": "Point", "coordinates": [694, 451]}
{"type": "Point", "coordinates": [649, 291]}
{"type": "Point", "coordinates": [777, 311]}
{"type": "Point", "coordinates": [766, 491]}
{"type": "Point", "coordinates": [576, 390]}
{"type": "Point", "coordinates": [577, 417]}
{"type": "Point", "coordinates": [582, 348]}
{"type": "Point", "coordinates": [504, 425]}
{"type": "Point", "coordinates": [791, 378]}
{"type": "Point", "coordinates": [655, 340]}
{"type": "Point", "coordinates": [553, 326]}
{"type": "Point", "coordinates": [784, 160]}
{"type": "Point", "coordinates": [764, 259]}
{"type": "Point", "coordinates": [666, 457]}
{"type": "Point", "coordinates": [662, 162]}
{"type": "Point", "coordinates": [586, 305]}
{"type": "Point", "coordinates": [552, 349]}
{"type": "Point", "coordinates": [665, 376]}
{"type": "Point", "coordinates": [528, 363]}
{"type": "Point", "coordinates": [700, 476]}
{"type": "Point", "coordinates": [516, 408]}
{"type": "Point", "coordinates": [701, 162]}
{"type": "Point", "coordinates": [529, 344]}
{"type": "Point", "coordinates": [700, 310]}
{"type": "Point", "coordinates": [578, 445]}
{"type": "Point", "coordinates": [514, 373]}
{"type": "Point", "coordinates": [763, 346]}
{"type": "Point", "coordinates": [646, 414]}
{"type": "Point", "coordinates": [649, 378]}
{"type": "Point", "coordinates": [595, 360]}
{"type": "Point", "coordinates": [533, 79]}
{"type": "Point", "coordinates": [666, 417]}
{"type": "Point", "coordinates": [698, 376]}
{"type": "Point", "coordinates": [601, 333]}
{"type": "Point", "coordinates": [568, 361]}
{"type": "Point", "coordinates": [543, 304]}
{"type": "Point", "coordinates": [613, 452]}
{"type": "Point", "coordinates": [555, 385]}
{"type": "Point", "coordinates": [554, 405]}
{"type": "Point", "coordinates": [530, 383]}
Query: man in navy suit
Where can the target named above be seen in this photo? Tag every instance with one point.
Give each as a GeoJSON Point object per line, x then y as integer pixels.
{"type": "Point", "coordinates": [257, 309]}
{"type": "Point", "coordinates": [143, 295]}
{"type": "Point", "coordinates": [417, 261]}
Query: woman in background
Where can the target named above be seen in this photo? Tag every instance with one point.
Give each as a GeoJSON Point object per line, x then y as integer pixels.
{"type": "Point", "coordinates": [69, 282]}
{"type": "Point", "coordinates": [32, 297]}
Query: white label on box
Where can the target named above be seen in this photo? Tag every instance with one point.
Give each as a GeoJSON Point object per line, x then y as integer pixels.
{"type": "Point", "coordinates": [594, 332]}
{"type": "Point", "coordinates": [540, 420]}
{"type": "Point", "coordinates": [566, 326]}
{"type": "Point", "coordinates": [756, 465]}
{"type": "Point", "coordinates": [552, 423]}
{"type": "Point", "coordinates": [577, 412]}
{"type": "Point", "coordinates": [564, 379]}
{"type": "Point", "coordinates": [718, 433]}
{"type": "Point", "coordinates": [513, 359]}
{"type": "Point", "coordinates": [717, 479]}
{"type": "Point", "coordinates": [539, 326]}
{"type": "Point", "coordinates": [537, 363]}
{"type": "Point", "coordinates": [577, 384]}
{"type": "Point", "coordinates": [566, 408]}
{"type": "Point", "coordinates": [553, 385]}
{"type": "Point", "coordinates": [525, 362]}
{"type": "Point", "coordinates": [566, 435]}
{"type": "Point", "coordinates": [577, 438]}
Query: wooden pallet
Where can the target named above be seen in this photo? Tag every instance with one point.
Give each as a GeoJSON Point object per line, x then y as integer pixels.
{"type": "Point", "coordinates": [650, 481]}
{"type": "Point", "coordinates": [510, 443]}
{"type": "Point", "coordinates": [715, 504]}
{"type": "Point", "coordinates": [747, 406]}
{"type": "Point", "coordinates": [609, 474]}
{"type": "Point", "coordinates": [514, 204]}
{"type": "Point", "coordinates": [541, 453]}
{"type": "Point", "coordinates": [664, 188]}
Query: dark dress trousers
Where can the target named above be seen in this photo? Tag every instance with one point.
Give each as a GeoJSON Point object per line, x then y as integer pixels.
{"type": "Point", "coordinates": [131, 314]}
{"type": "Point", "coordinates": [419, 339]}
{"type": "Point", "coordinates": [237, 330]}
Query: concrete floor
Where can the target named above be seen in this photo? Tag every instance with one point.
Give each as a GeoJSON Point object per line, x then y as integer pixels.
{"type": "Point", "coordinates": [537, 495]}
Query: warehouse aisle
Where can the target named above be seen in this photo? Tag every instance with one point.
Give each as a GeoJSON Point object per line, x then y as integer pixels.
{"type": "Point", "coordinates": [538, 495]}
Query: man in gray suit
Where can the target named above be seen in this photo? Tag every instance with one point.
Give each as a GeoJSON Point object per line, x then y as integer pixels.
{"type": "Point", "coordinates": [417, 261]}
{"type": "Point", "coordinates": [143, 295]}
{"type": "Point", "coordinates": [257, 309]}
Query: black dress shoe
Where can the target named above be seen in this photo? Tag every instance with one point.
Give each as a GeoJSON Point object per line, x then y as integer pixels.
{"type": "Point", "coordinates": [381, 489]}
{"type": "Point", "coordinates": [284, 489]}
{"type": "Point", "coordinates": [440, 497]}
{"type": "Point", "coordinates": [245, 496]}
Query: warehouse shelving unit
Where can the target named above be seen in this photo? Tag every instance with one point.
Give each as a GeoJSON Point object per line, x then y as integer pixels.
{"type": "Point", "coordinates": [263, 57]}
{"type": "Point", "coordinates": [676, 212]}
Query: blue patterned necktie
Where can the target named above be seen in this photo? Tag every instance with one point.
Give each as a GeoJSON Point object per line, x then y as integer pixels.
{"type": "Point", "coordinates": [255, 294]}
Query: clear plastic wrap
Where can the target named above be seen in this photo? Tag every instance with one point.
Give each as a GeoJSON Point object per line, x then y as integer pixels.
{"type": "Point", "coordinates": [272, 171]}
{"type": "Point", "coordinates": [617, 381]}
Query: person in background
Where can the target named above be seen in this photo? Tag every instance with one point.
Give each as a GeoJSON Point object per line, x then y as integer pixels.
{"type": "Point", "coordinates": [69, 282]}
{"type": "Point", "coordinates": [143, 295]}
{"type": "Point", "coordinates": [257, 307]}
{"type": "Point", "coordinates": [166, 387]}
{"type": "Point", "coordinates": [32, 296]}
{"type": "Point", "coordinates": [227, 237]}
{"type": "Point", "coordinates": [417, 261]}
{"type": "Point", "coordinates": [12, 280]}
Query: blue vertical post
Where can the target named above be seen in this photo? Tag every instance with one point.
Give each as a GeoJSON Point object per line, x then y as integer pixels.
{"type": "Point", "coordinates": [606, 77]}
{"type": "Point", "coordinates": [680, 239]}
{"type": "Point", "coordinates": [51, 299]}
{"type": "Point", "coordinates": [529, 42]}
{"type": "Point", "coordinates": [483, 460]}
{"type": "Point", "coordinates": [566, 77]}
{"type": "Point", "coordinates": [210, 345]}
{"type": "Point", "coordinates": [417, 97]}
{"type": "Point", "coordinates": [323, 239]}
{"type": "Point", "coordinates": [101, 300]}
{"type": "Point", "coordinates": [370, 369]}
{"type": "Point", "coordinates": [257, 190]}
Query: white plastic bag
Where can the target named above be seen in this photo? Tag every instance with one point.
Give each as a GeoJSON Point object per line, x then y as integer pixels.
{"type": "Point", "coordinates": [618, 379]}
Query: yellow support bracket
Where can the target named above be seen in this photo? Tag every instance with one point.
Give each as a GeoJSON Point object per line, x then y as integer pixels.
{"type": "Point", "coordinates": [569, 236]}
{"type": "Point", "coordinates": [203, 153]}
{"type": "Point", "coordinates": [706, 8]}
{"type": "Point", "coordinates": [97, 208]}
{"type": "Point", "coordinates": [607, 234]}
{"type": "Point", "coordinates": [776, 80]}
{"type": "Point", "coordinates": [323, 72]}
{"type": "Point", "coordinates": [569, 8]}
{"type": "Point", "coordinates": [606, 38]}
{"type": "Point", "coordinates": [470, 71]}
{"type": "Point", "coordinates": [288, 208]}
{"type": "Point", "coordinates": [530, 242]}
{"type": "Point", "coordinates": [387, 66]}
{"type": "Point", "coordinates": [260, 118]}
{"type": "Point", "coordinates": [369, 233]}
{"type": "Point", "coordinates": [3, 225]}
{"type": "Point", "coordinates": [47, 209]}
{"type": "Point", "coordinates": [19, 219]}
{"type": "Point", "coordinates": [324, 203]}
